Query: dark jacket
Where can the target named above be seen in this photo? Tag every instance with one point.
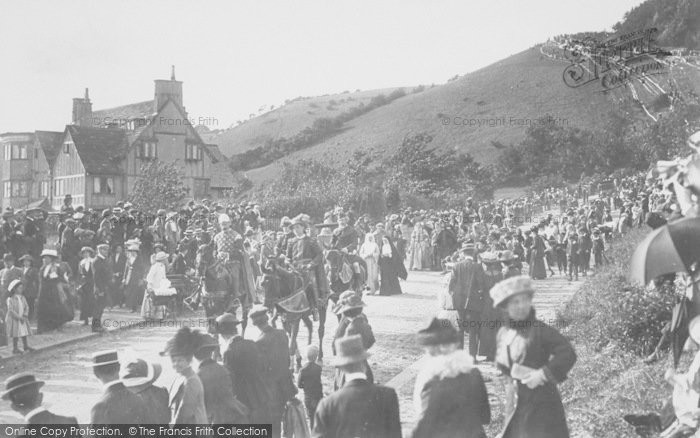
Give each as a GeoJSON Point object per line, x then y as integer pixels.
{"type": "Point", "coordinates": [358, 409]}
{"type": "Point", "coordinates": [118, 405]}
{"type": "Point", "coordinates": [156, 401]}
{"type": "Point", "coordinates": [539, 412]}
{"type": "Point", "coordinates": [46, 417]}
{"type": "Point", "coordinates": [454, 406]}
{"type": "Point", "coordinates": [273, 345]}
{"type": "Point", "coordinates": [466, 286]}
{"type": "Point", "coordinates": [246, 366]}
{"type": "Point", "coordinates": [221, 404]}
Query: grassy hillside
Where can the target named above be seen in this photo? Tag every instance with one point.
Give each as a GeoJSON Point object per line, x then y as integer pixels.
{"type": "Point", "coordinates": [287, 120]}
{"type": "Point", "coordinates": [525, 86]}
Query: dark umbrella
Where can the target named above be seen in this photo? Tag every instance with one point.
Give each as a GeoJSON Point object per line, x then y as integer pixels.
{"type": "Point", "coordinates": [671, 248]}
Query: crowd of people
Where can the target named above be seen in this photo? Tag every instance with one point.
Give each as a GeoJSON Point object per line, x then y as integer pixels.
{"type": "Point", "coordinates": [122, 257]}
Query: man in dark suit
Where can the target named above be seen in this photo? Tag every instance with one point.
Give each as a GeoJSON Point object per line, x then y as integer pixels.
{"type": "Point", "coordinates": [103, 283]}
{"type": "Point", "coordinates": [274, 347]}
{"type": "Point", "coordinates": [23, 392]}
{"type": "Point", "coordinates": [466, 287]}
{"type": "Point", "coordinates": [360, 408]}
{"type": "Point", "coordinates": [118, 405]}
{"type": "Point", "coordinates": [220, 402]}
{"type": "Point", "coordinates": [245, 364]}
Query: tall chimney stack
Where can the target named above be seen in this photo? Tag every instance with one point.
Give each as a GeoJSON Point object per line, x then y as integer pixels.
{"type": "Point", "coordinates": [82, 110]}
{"type": "Point", "coordinates": [167, 90]}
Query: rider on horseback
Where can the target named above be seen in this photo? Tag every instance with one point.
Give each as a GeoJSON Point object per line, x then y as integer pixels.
{"type": "Point", "coordinates": [306, 256]}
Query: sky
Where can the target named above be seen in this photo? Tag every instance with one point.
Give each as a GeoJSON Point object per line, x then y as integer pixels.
{"type": "Point", "coordinates": [236, 56]}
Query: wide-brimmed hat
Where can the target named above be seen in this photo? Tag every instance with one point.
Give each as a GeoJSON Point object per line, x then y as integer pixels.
{"type": "Point", "coordinates": [353, 302]}
{"type": "Point", "coordinates": [184, 343]}
{"type": "Point", "coordinates": [207, 341]}
{"type": "Point", "coordinates": [257, 311]}
{"type": "Point", "coordinates": [102, 246]}
{"type": "Point", "coordinates": [26, 257]}
{"type": "Point", "coordinates": [226, 322]}
{"type": "Point", "coordinates": [350, 350]}
{"type": "Point", "coordinates": [299, 220]}
{"type": "Point", "coordinates": [510, 287]}
{"type": "Point", "coordinates": [13, 284]}
{"type": "Point", "coordinates": [49, 252]}
{"type": "Point", "coordinates": [506, 256]}
{"type": "Point", "coordinates": [140, 373]}
{"type": "Point", "coordinates": [19, 381]}
{"type": "Point", "coordinates": [78, 216]}
{"type": "Point", "coordinates": [285, 222]}
{"type": "Point", "coordinates": [438, 332]}
{"type": "Point", "coordinates": [161, 256]}
{"type": "Point", "coordinates": [106, 357]}
{"type": "Point", "coordinates": [489, 257]}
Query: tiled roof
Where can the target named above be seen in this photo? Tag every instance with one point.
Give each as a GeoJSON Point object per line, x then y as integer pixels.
{"type": "Point", "coordinates": [50, 142]}
{"type": "Point", "coordinates": [140, 110]}
{"type": "Point", "coordinates": [214, 153]}
{"type": "Point", "coordinates": [101, 150]}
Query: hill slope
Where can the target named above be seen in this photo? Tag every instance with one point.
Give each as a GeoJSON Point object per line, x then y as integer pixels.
{"type": "Point", "coordinates": [525, 86]}
{"type": "Point", "coordinates": [287, 120]}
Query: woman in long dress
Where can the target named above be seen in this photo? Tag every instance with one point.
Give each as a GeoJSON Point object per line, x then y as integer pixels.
{"type": "Point", "coordinates": [157, 284]}
{"type": "Point", "coordinates": [420, 241]}
{"type": "Point", "coordinates": [391, 267]}
{"type": "Point", "coordinates": [537, 268]}
{"type": "Point", "coordinates": [534, 359]}
{"type": "Point", "coordinates": [369, 251]}
{"type": "Point", "coordinates": [53, 309]}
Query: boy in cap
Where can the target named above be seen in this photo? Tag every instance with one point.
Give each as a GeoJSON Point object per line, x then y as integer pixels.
{"type": "Point", "coordinates": [310, 381]}
{"type": "Point", "coordinates": [23, 391]}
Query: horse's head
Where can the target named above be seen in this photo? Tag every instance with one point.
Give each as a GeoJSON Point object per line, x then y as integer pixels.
{"type": "Point", "coordinates": [334, 258]}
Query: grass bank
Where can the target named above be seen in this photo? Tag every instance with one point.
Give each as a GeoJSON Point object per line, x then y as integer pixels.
{"type": "Point", "coordinates": [613, 326]}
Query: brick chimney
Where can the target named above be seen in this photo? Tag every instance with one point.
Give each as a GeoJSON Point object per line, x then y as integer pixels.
{"type": "Point", "coordinates": [167, 90]}
{"type": "Point", "coordinates": [82, 111]}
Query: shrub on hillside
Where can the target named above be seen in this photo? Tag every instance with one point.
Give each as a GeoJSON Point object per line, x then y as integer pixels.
{"type": "Point", "coordinates": [606, 309]}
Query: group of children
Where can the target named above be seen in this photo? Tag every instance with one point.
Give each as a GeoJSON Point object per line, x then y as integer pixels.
{"type": "Point", "coordinates": [573, 253]}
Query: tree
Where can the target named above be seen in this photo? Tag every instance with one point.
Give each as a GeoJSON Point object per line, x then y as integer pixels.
{"type": "Point", "coordinates": [159, 185]}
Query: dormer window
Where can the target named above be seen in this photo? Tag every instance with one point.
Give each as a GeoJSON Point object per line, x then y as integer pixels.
{"type": "Point", "coordinates": [193, 152]}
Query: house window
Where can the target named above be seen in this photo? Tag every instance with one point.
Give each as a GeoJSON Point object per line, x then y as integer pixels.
{"type": "Point", "coordinates": [147, 151]}
{"type": "Point", "coordinates": [7, 189]}
{"type": "Point", "coordinates": [44, 189]}
{"type": "Point", "coordinates": [193, 152]}
{"type": "Point", "coordinates": [36, 153]}
{"type": "Point", "coordinates": [14, 151]}
{"type": "Point", "coordinates": [15, 189]}
{"type": "Point", "coordinates": [66, 148]}
{"type": "Point", "coordinates": [103, 185]}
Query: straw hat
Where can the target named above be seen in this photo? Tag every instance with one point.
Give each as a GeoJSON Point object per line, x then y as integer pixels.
{"type": "Point", "coordinates": [161, 256]}
{"type": "Point", "coordinates": [503, 290]}
{"type": "Point", "coordinates": [139, 373]}
{"type": "Point", "coordinates": [50, 253]}
{"type": "Point", "coordinates": [106, 357]}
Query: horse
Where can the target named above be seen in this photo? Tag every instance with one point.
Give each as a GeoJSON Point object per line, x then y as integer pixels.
{"type": "Point", "coordinates": [282, 293]}
{"type": "Point", "coordinates": [346, 272]}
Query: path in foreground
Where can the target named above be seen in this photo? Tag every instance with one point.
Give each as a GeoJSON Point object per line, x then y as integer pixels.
{"type": "Point", "coordinates": [72, 389]}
